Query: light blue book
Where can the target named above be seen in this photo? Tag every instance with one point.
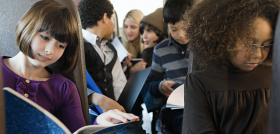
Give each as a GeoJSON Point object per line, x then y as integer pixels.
{"type": "Point", "coordinates": [23, 116]}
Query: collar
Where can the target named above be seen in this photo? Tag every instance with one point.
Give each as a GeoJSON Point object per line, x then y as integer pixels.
{"type": "Point", "coordinates": [231, 68]}
{"type": "Point", "coordinates": [170, 42]}
{"type": "Point", "coordinates": [174, 42]}
{"type": "Point", "coordinates": [91, 38]}
{"type": "Point", "coordinates": [179, 47]}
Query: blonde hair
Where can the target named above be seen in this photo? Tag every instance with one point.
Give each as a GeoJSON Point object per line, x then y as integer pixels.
{"type": "Point", "coordinates": [136, 16]}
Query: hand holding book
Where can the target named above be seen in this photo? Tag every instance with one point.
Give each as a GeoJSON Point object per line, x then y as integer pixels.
{"type": "Point", "coordinates": [115, 117]}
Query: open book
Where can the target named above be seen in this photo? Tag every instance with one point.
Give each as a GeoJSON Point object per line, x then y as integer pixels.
{"type": "Point", "coordinates": [122, 52]}
{"type": "Point", "coordinates": [25, 116]}
{"type": "Point", "coordinates": [176, 98]}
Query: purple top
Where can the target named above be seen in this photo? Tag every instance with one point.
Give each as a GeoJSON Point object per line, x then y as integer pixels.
{"type": "Point", "coordinates": [58, 95]}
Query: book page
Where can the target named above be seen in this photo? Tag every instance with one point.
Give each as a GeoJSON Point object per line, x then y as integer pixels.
{"type": "Point", "coordinates": [176, 98]}
{"type": "Point", "coordinates": [122, 52]}
{"type": "Point", "coordinates": [101, 129]}
{"type": "Point", "coordinates": [90, 129]}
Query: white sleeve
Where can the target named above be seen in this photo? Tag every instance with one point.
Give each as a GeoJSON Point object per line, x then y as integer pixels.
{"type": "Point", "coordinates": [119, 79]}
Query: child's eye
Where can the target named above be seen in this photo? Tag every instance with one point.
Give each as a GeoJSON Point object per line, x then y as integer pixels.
{"type": "Point", "coordinates": [44, 37]}
{"type": "Point", "coordinates": [174, 30]}
{"type": "Point", "coordinates": [247, 46]}
{"type": "Point", "coordinates": [266, 47]}
{"type": "Point", "coordinates": [61, 46]}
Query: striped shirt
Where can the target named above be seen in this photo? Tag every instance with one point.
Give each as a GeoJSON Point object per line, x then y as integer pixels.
{"type": "Point", "coordinates": [170, 62]}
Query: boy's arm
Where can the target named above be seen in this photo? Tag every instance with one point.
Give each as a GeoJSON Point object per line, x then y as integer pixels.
{"type": "Point", "coordinates": [156, 76]}
{"type": "Point", "coordinates": [153, 85]}
{"type": "Point", "coordinates": [119, 79]}
{"type": "Point", "coordinates": [104, 102]}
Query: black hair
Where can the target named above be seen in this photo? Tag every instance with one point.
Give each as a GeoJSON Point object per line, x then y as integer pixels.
{"type": "Point", "coordinates": [92, 11]}
{"type": "Point", "coordinates": [161, 36]}
{"type": "Point", "coordinates": [173, 10]}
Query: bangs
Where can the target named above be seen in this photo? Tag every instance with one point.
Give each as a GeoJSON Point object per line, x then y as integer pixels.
{"type": "Point", "coordinates": [59, 27]}
{"type": "Point", "coordinates": [144, 25]}
{"type": "Point", "coordinates": [55, 19]}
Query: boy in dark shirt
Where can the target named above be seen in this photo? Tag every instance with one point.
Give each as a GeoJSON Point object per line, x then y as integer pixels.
{"type": "Point", "coordinates": [101, 58]}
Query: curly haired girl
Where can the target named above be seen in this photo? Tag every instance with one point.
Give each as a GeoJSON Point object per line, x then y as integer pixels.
{"type": "Point", "coordinates": [232, 44]}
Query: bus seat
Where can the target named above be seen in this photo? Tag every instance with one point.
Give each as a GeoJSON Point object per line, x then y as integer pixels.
{"type": "Point", "coordinates": [11, 12]}
{"type": "Point", "coordinates": [2, 106]}
{"type": "Point", "coordinates": [274, 107]}
{"type": "Point", "coordinates": [116, 32]}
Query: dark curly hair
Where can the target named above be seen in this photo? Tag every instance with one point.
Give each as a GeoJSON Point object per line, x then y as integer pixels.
{"type": "Point", "coordinates": [218, 28]}
{"type": "Point", "coordinates": [161, 36]}
{"type": "Point", "coordinates": [92, 11]}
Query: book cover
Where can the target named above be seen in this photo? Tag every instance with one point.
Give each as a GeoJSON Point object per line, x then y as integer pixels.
{"type": "Point", "coordinates": [26, 117]}
{"type": "Point", "coordinates": [23, 116]}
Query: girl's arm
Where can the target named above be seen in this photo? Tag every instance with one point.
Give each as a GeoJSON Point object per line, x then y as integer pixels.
{"type": "Point", "coordinates": [104, 102]}
{"type": "Point", "coordinates": [70, 112]}
{"type": "Point", "coordinates": [198, 116]}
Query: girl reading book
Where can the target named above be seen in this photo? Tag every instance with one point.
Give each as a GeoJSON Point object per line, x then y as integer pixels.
{"type": "Point", "coordinates": [45, 34]}
{"type": "Point", "coordinates": [232, 43]}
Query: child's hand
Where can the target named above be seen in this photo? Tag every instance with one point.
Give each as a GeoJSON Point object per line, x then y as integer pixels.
{"type": "Point", "coordinates": [126, 61]}
{"type": "Point", "coordinates": [166, 89]}
{"type": "Point", "coordinates": [114, 117]}
{"type": "Point", "coordinates": [138, 67]}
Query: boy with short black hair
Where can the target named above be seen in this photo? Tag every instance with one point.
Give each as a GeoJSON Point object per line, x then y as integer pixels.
{"type": "Point", "coordinates": [170, 63]}
{"type": "Point", "coordinates": [102, 62]}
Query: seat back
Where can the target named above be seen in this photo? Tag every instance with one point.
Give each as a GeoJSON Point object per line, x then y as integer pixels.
{"type": "Point", "coordinates": [2, 106]}
{"type": "Point", "coordinates": [116, 32]}
{"type": "Point", "coordinates": [274, 107]}
{"type": "Point", "coordinates": [11, 12]}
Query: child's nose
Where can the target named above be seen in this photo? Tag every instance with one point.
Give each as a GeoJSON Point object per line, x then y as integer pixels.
{"type": "Point", "coordinates": [49, 49]}
{"type": "Point", "coordinates": [145, 35]}
{"type": "Point", "coordinates": [257, 53]}
{"type": "Point", "coordinates": [181, 33]}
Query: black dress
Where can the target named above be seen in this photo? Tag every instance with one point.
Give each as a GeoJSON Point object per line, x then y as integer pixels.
{"type": "Point", "coordinates": [147, 55]}
{"type": "Point", "coordinates": [227, 100]}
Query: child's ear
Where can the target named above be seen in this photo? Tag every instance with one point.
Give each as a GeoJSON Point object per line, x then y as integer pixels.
{"type": "Point", "coordinates": [104, 18]}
